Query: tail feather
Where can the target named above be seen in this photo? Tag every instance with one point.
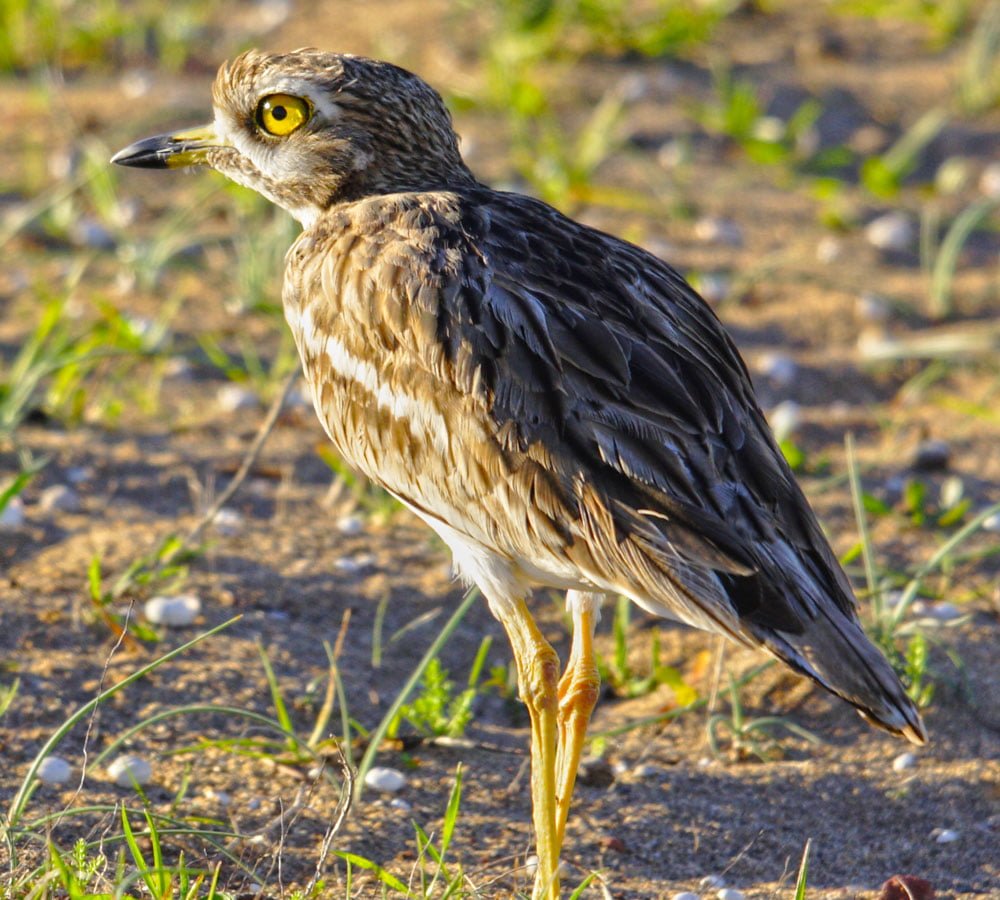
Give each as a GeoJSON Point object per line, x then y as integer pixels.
{"type": "Point", "coordinates": [834, 651]}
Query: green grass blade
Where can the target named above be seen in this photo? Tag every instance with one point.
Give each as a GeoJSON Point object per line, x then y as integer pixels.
{"type": "Point", "coordinates": [16, 807]}
{"type": "Point", "coordinates": [375, 738]}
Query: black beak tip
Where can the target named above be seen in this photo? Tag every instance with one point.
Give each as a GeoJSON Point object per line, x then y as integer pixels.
{"type": "Point", "coordinates": [151, 153]}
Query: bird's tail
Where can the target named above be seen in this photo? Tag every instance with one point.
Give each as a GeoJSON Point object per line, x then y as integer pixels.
{"type": "Point", "coordinates": [834, 651]}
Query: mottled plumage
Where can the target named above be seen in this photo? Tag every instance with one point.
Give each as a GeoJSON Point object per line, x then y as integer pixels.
{"type": "Point", "coordinates": [558, 404]}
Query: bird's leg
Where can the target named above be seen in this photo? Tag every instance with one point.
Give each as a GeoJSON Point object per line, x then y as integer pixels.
{"type": "Point", "coordinates": [538, 674]}
{"type": "Point", "coordinates": [578, 689]}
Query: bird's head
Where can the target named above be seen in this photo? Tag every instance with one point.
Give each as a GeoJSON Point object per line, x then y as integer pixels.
{"type": "Point", "coordinates": [310, 129]}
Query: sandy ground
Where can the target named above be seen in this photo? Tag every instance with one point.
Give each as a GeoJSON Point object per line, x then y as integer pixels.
{"type": "Point", "coordinates": [668, 813]}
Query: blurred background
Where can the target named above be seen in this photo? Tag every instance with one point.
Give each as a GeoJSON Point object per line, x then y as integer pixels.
{"type": "Point", "coordinates": [826, 174]}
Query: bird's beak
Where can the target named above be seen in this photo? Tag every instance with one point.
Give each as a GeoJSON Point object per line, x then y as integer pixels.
{"type": "Point", "coordinates": [170, 151]}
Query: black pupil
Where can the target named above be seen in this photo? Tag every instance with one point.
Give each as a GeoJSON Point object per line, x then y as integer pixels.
{"type": "Point", "coordinates": [279, 113]}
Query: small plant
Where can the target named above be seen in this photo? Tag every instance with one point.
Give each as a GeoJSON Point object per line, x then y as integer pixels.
{"type": "Point", "coordinates": [979, 77]}
{"type": "Point", "coordinates": [748, 737]}
{"type": "Point", "coordinates": [617, 672]}
{"type": "Point", "coordinates": [163, 569]}
{"type": "Point", "coordinates": [437, 711]}
{"type": "Point", "coordinates": [883, 175]}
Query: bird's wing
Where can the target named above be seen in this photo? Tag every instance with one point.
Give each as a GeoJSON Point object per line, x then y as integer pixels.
{"type": "Point", "coordinates": [606, 357]}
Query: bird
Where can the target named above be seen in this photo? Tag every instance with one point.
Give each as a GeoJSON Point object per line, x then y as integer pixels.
{"type": "Point", "coordinates": [559, 405]}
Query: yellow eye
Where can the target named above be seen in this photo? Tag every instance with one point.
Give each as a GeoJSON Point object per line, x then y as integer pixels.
{"type": "Point", "coordinates": [281, 114]}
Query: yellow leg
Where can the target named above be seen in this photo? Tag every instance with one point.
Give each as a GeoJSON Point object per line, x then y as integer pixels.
{"type": "Point", "coordinates": [538, 673]}
{"type": "Point", "coordinates": [578, 689]}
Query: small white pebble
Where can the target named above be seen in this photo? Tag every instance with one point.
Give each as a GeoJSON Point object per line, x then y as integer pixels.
{"type": "Point", "coordinates": [770, 129]}
{"type": "Point", "coordinates": [952, 175]}
{"type": "Point", "coordinates": [647, 771]}
{"type": "Point", "coordinates": [12, 515]}
{"type": "Point", "coordinates": [785, 420]}
{"type": "Point", "coordinates": [945, 835]}
{"type": "Point", "coordinates": [619, 767]}
{"type": "Point", "coordinates": [347, 564]}
{"type": "Point", "coordinates": [778, 368]}
{"type": "Point", "coordinates": [135, 83]}
{"type": "Point", "coordinates": [673, 154]}
{"type": "Point", "coordinates": [904, 761]}
{"type": "Point", "coordinates": [178, 367]}
{"type": "Point", "coordinates": [128, 768]}
{"type": "Point", "coordinates": [685, 895]}
{"type": "Point", "coordinates": [713, 286]}
{"type": "Point", "coordinates": [350, 525]}
{"type": "Point", "coordinates": [829, 249]}
{"type": "Point", "coordinates": [892, 231]}
{"type": "Point", "coordinates": [255, 887]}
{"type": "Point", "coordinates": [719, 231]}
{"type": "Point", "coordinates": [992, 523]}
{"type": "Point", "coordinates": [871, 308]}
{"type": "Point", "coordinates": [388, 781]}
{"type": "Point", "coordinates": [174, 611]}
{"type": "Point", "coordinates": [59, 497]}
{"type": "Point", "coordinates": [531, 866]}
{"type": "Point", "coordinates": [952, 490]}
{"type": "Point", "coordinates": [943, 612]}
{"type": "Point", "coordinates": [730, 894]}
{"type": "Point", "coordinates": [53, 770]}
{"type": "Point", "coordinates": [220, 797]}
{"type": "Point", "coordinates": [712, 882]}
{"type": "Point", "coordinates": [233, 397]}
{"type": "Point", "coordinates": [400, 804]}
{"type": "Point", "coordinates": [78, 474]}
{"type": "Point", "coordinates": [989, 181]}
{"type": "Point", "coordinates": [228, 522]}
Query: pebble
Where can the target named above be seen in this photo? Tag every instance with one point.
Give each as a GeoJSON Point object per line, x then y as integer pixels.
{"type": "Point", "coordinates": [892, 231]}
{"type": "Point", "coordinates": [233, 397]}
{"type": "Point", "coordinates": [770, 129]}
{"type": "Point", "coordinates": [932, 456]}
{"type": "Point", "coordinates": [59, 497]}
{"type": "Point", "coordinates": [904, 761]}
{"type": "Point", "coordinates": [673, 154]}
{"type": "Point", "coordinates": [952, 490]}
{"type": "Point", "coordinates": [781, 370]}
{"type": "Point", "coordinates": [715, 230]}
{"type": "Point", "coordinates": [347, 564]}
{"type": "Point", "coordinates": [135, 83]}
{"type": "Point", "coordinates": [989, 181]}
{"type": "Point", "coordinates": [178, 367]}
{"type": "Point", "coordinates": [350, 525]}
{"type": "Point", "coordinates": [12, 515]}
{"type": "Point", "coordinates": [402, 805]}
{"type": "Point", "coordinates": [711, 882]}
{"type": "Point", "coordinates": [174, 611]}
{"type": "Point", "coordinates": [228, 522]}
{"type": "Point", "coordinates": [88, 232]}
{"type": "Point", "coordinates": [685, 895]}
{"type": "Point", "coordinates": [713, 286]}
{"type": "Point", "coordinates": [992, 523]}
{"type": "Point", "coordinates": [647, 771]}
{"type": "Point", "coordinates": [54, 770]}
{"type": "Point", "coordinates": [730, 894]}
{"type": "Point", "coordinates": [945, 835]}
{"type": "Point", "coordinates": [785, 420]}
{"type": "Point", "coordinates": [829, 249]}
{"type": "Point", "coordinates": [78, 474]}
{"type": "Point", "coordinates": [388, 781]}
{"type": "Point", "coordinates": [220, 797]}
{"type": "Point", "coordinates": [952, 175]}
{"type": "Point", "coordinates": [940, 612]}
{"type": "Point", "coordinates": [128, 768]}
{"type": "Point", "coordinates": [871, 308]}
